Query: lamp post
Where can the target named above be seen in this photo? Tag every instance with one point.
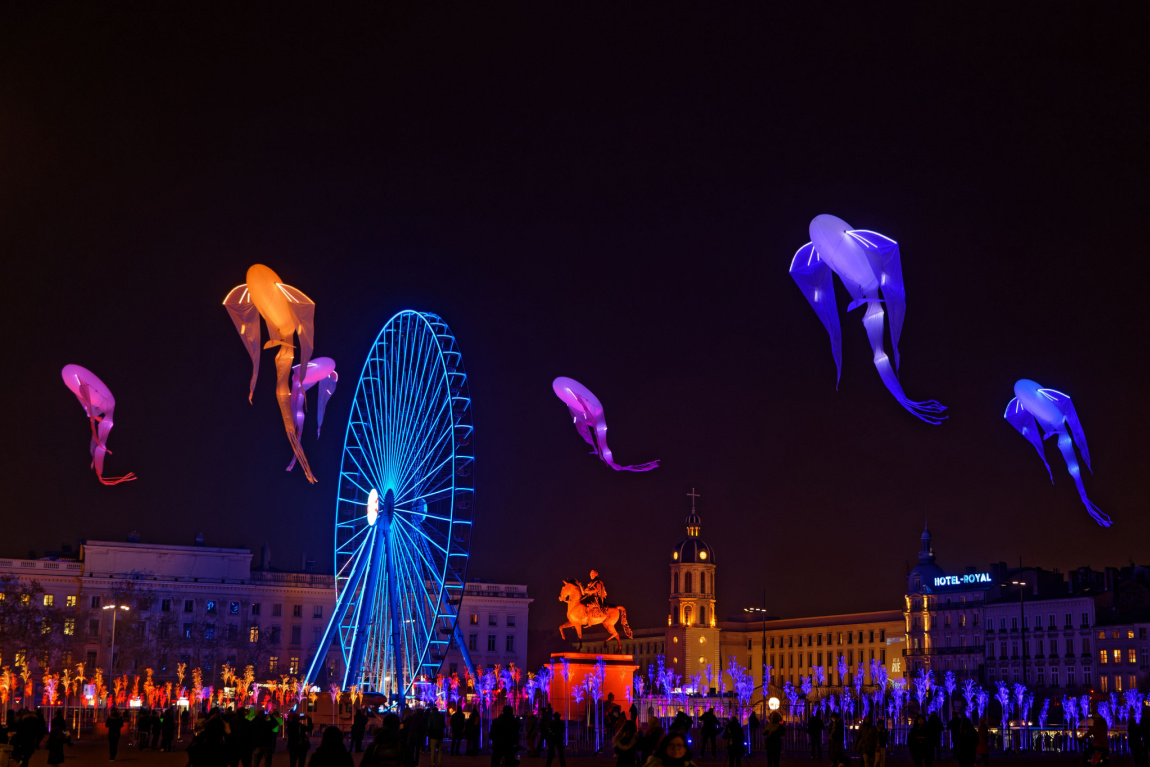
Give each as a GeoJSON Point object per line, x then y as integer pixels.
{"type": "Point", "coordinates": [115, 608]}
{"type": "Point", "coordinates": [1022, 617]}
{"type": "Point", "coordinates": [763, 666]}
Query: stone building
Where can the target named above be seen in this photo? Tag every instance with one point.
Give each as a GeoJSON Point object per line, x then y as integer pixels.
{"type": "Point", "coordinates": [205, 606]}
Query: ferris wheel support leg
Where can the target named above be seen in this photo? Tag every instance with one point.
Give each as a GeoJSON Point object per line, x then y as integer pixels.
{"type": "Point", "coordinates": [354, 674]}
{"type": "Point", "coordinates": [396, 625]}
{"type": "Point", "coordinates": [337, 616]}
{"type": "Point", "coordinates": [463, 649]}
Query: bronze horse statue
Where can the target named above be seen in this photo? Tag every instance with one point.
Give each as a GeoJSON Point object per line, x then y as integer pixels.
{"type": "Point", "coordinates": [579, 619]}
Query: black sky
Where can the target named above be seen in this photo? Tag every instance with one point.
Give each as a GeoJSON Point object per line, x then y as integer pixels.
{"type": "Point", "coordinates": [610, 194]}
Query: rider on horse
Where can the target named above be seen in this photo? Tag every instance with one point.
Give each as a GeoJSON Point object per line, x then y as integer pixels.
{"type": "Point", "coordinates": [594, 594]}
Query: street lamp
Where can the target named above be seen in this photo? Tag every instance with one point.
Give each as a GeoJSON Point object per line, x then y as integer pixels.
{"type": "Point", "coordinates": [763, 611]}
{"type": "Point", "coordinates": [112, 658]}
{"type": "Point", "coordinates": [1022, 617]}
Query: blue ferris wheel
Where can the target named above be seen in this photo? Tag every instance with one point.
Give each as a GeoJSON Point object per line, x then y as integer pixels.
{"type": "Point", "coordinates": [403, 515]}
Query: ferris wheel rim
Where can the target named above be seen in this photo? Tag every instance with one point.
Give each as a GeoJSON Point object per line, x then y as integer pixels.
{"type": "Point", "coordinates": [450, 563]}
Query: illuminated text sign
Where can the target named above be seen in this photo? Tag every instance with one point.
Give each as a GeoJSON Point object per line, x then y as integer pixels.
{"type": "Point", "coordinates": [962, 580]}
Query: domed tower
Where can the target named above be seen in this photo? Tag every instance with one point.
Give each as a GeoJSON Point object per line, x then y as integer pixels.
{"type": "Point", "coordinates": [692, 639]}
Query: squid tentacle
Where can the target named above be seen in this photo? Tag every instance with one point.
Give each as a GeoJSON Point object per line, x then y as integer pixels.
{"type": "Point", "coordinates": [930, 411]}
{"type": "Point", "coordinates": [1066, 445]}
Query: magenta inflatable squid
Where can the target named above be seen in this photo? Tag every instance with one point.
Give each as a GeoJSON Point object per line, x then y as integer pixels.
{"type": "Point", "coordinates": [868, 263]}
{"type": "Point", "coordinates": [98, 404]}
{"type": "Point", "coordinates": [587, 413]}
{"type": "Point", "coordinates": [1033, 406]}
{"type": "Point", "coordinates": [319, 371]}
{"type": "Point", "coordinates": [288, 313]}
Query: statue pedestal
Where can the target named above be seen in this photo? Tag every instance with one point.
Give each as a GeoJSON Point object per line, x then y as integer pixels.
{"type": "Point", "coordinates": [620, 672]}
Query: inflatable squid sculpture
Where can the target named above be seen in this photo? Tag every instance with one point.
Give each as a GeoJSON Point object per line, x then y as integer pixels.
{"type": "Point", "coordinates": [319, 371]}
{"type": "Point", "coordinates": [98, 404]}
{"type": "Point", "coordinates": [869, 266]}
{"type": "Point", "coordinates": [587, 413]}
{"type": "Point", "coordinates": [287, 312]}
{"type": "Point", "coordinates": [1033, 406]}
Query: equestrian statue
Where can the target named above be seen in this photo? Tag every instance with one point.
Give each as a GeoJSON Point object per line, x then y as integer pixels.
{"type": "Point", "coordinates": [587, 606]}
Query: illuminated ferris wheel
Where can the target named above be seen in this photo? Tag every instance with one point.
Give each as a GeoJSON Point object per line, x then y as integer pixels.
{"type": "Point", "coordinates": [403, 515]}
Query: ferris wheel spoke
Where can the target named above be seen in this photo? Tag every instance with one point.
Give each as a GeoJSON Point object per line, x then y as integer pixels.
{"type": "Point", "coordinates": [431, 445]}
{"type": "Point", "coordinates": [420, 531]}
{"type": "Point", "coordinates": [428, 473]}
{"type": "Point", "coordinates": [398, 415]}
{"type": "Point", "coordinates": [351, 478]}
{"type": "Point", "coordinates": [426, 559]}
{"type": "Point", "coordinates": [372, 449]}
{"type": "Point", "coordinates": [429, 442]}
{"type": "Point", "coordinates": [411, 394]}
{"type": "Point", "coordinates": [363, 456]}
{"type": "Point", "coordinates": [434, 496]}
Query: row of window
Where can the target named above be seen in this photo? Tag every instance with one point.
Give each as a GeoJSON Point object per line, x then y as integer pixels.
{"type": "Point", "coordinates": [788, 660]}
{"type": "Point", "coordinates": [1038, 676]}
{"type": "Point", "coordinates": [473, 642]}
{"type": "Point", "coordinates": [492, 619]}
{"type": "Point", "coordinates": [1067, 624]}
{"type": "Point", "coordinates": [816, 640]}
{"type": "Point", "coordinates": [688, 585]}
{"type": "Point", "coordinates": [1120, 633]}
{"type": "Point", "coordinates": [934, 604]}
{"type": "Point", "coordinates": [1115, 656]}
{"type": "Point", "coordinates": [1039, 647]}
{"type": "Point", "coordinates": [211, 606]}
{"type": "Point", "coordinates": [1116, 686]}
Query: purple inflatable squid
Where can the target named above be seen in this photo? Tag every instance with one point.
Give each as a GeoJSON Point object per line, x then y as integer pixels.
{"type": "Point", "coordinates": [1033, 406]}
{"type": "Point", "coordinates": [587, 413]}
{"type": "Point", "coordinates": [319, 371]}
{"type": "Point", "coordinates": [868, 264]}
{"type": "Point", "coordinates": [99, 405]}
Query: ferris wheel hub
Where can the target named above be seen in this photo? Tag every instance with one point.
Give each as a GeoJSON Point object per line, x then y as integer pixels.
{"type": "Point", "coordinates": [372, 507]}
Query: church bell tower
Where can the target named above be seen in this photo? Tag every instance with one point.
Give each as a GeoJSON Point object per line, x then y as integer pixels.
{"type": "Point", "coordinates": [692, 638]}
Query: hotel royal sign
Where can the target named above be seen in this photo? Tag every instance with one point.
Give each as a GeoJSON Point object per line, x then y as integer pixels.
{"type": "Point", "coordinates": [969, 579]}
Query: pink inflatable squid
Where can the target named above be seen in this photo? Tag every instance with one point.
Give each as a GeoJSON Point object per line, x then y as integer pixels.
{"type": "Point", "coordinates": [98, 404]}
{"type": "Point", "coordinates": [587, 413]}
{"type": "Point", "coordinates": [319, 371]}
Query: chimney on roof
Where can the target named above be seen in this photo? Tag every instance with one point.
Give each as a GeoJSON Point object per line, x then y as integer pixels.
{"type": "Point", "coordinates": [134, 536]}
{"type": "Point", "coordinates": [265, 556]}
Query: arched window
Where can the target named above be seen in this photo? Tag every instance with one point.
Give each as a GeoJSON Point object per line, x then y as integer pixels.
{"type": "Point", "coordinates": [702, 583]}
{"type": "Point", "coordinates": [687, 612]}
{"type": "Point", "coordinates": [675, 583]}
{"type": "Point", "coordinates": [687, 582]}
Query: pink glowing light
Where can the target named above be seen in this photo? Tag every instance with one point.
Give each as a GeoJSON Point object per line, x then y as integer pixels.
{"type": "Point", "coordinates": [98, 404]}
{"type": "Point", "coordinates": [587, 412]}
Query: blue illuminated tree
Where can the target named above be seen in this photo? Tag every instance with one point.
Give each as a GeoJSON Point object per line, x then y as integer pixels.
{"type": "Point", "coordinates": [1003, 698]}
{"type": "Point", "coordinates": [923, 681]}
{"type": "Point", "coordinates": [1134, 703]}
{"type": "Point", "coordinates": [970, 692]}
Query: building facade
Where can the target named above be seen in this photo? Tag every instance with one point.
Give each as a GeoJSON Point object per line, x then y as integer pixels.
{"type": "Point", "coordinates": [197, 605]}
{"type": "Point", "coordinates": [793, 648]}
{"type": "Point", "coordinates": [205, 606]}
{"type": "Point", "coordinates": [943, 616]}
{"type": "Point", "coordinates": [493, 622]}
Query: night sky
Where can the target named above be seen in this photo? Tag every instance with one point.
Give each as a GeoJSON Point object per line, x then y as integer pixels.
{"type": "Point", "coordinates": [613, 195]}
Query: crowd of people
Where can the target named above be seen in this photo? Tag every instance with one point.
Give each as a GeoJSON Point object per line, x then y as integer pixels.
{"type": "Point", "coordinates": [251, 738]}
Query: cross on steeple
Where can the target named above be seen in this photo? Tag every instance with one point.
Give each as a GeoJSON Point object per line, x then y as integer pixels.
{"type": "Point", "coordinates": [693, 495]}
